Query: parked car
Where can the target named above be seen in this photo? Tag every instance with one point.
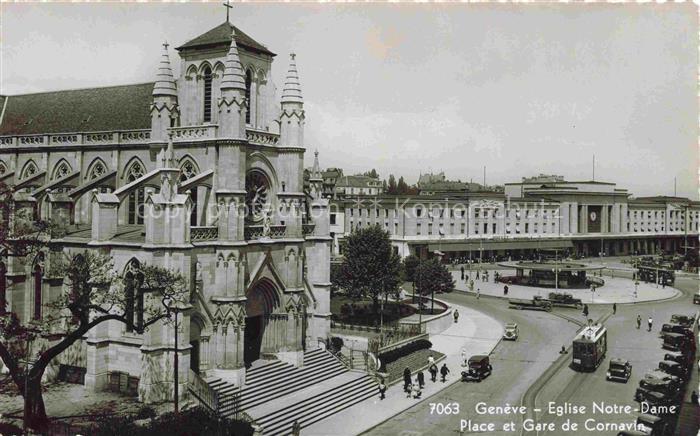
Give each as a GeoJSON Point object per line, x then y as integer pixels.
{"type": "Point", "coordinates": [657, 374]}
{"type": "Point", "coordinates": [674, 368]}
{"type": "Point", "coordinates": [653, 425]}
{"type": "Point", "coordinates": [667, 388]}
{"type": "Point", "coordinates": [685, 320]}
{"type": "Point", "coordinates": [686, 360]}
{"type": "Point", "coordinates": [696, 298]}
{"type": "Point", "coordinates": [511, 331]}
{"type": "Point", "coordinates": [657, 400]}
{"type": "Point", "coordinates": [619, 370]}
{"type": "Point", "coordinates": [676, 328]}
{"type": "Point", "coordinates": [676, 342]}
{"type": "Point", "coordinates": [479, 369]}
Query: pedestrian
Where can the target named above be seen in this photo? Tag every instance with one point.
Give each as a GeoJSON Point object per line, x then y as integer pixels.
{"type": "Point", "coordinates": [296, 428]}
{"type": "Point", "coordinates": [382, 389]}
{"type": "Point", "coordinates": [694, 398]}
{"type": "Point", "coordinates": [614, 308]}
{"type": "Point", "coordinates": [585, 310]}
{"type": "Point", "coordinates": [431, 359]}
{"type": "Point", "coordinates": [409, 391]}
{"type": "Point", "coordinates": [650, 322]}
{"type": "Point", "coordinates": [639, 321]}
{"type": "Point", "coordinates": [433, 372]}
{"type": "Point", "coordinates": [406, 380]}
{"type": "Point", "coordinates": [421, 379]}
{"type": "Point", "coordinates": [471, 285]}
{"type": "Point", "coordinates": [456, 315]}
{"type": "Point", "coordinates": [444, 371]}
{"type": "Point", "coordinates": [416, 391]}
{"type": "Point", "coordinates": [477, 274]}
{"type": "Point", "coordinates": [464, 357]}
{"type": "Point", "coordinates": [478, 293]}
{"type": "Point", "coordinates": [505, 290]}
{"type": "Point", "coordinates": [462, 270]}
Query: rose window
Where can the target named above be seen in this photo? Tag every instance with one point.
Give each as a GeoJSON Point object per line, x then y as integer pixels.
{"type": "Point", "coordinates": [257, 189]}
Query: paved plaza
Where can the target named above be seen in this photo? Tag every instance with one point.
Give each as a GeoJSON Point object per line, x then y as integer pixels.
{"type": "Point", "coordinates": [616, 289]}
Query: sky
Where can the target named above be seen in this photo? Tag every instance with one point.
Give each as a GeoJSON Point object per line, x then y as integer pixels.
{"type": "Point", "coordinates": [521, 89]}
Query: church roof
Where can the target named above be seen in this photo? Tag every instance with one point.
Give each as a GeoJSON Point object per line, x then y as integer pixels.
{"type": "Point", "coordinates": [124, 107]}
{"type": "Point", "coordinates": [221, 35]}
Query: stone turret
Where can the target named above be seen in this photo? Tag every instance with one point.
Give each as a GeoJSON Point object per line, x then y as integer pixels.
{"type": "Point", "coordinates": [232, 104]}
{"type": "Point", "coordinates": [316, 179]}
{"type": "Point", "coordinates": [292, 115]}
{"type": "Point", "coordinates": [164, 110]}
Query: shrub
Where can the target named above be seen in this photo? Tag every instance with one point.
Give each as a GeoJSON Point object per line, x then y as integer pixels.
{"type": "Point", "coordinates": [336, 344]}
{"type": "Point", "coordinates": [146, 412]}
{"type": "Point", "coordinates": [405, 350]}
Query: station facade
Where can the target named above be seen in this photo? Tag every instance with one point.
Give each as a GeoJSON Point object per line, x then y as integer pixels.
{"type": "Point", "coordinates": [587, 218]}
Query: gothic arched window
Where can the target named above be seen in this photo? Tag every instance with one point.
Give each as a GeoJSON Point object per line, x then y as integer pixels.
{"type": "Point", "coordinates": [188, 169]}
{"type": "Point", "coordinates": [207, 94]}
{"type": "Point", "coordinates": [29, 170]}
{"type": "Point", "coordinates": [137, 196]}
{"type": "Point", "coordinates": [133, 309]}
{"type": "Point", "coordinates": [61, 170]}
{"type": "Point", "coordinates": [98, 169]}
{"type": "Point", "coordinates": [37, 274]}
{"type": "Point", "coordinates": [248, 83]}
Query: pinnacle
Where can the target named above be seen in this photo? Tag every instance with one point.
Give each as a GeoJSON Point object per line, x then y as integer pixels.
{"type": "Point", "coordinates": [292, 88]}
{"type": "Point", "coordinates": [233, 72]}
{"type": "Point", "coordinates": [165, 82]}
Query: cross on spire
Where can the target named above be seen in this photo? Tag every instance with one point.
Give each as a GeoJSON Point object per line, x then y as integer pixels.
{"type": "Point", "coordinates": [228, 7]}
{"type": "Point", "coordinates": [166, 45]}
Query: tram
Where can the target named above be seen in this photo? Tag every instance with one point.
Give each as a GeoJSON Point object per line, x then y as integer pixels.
{"type": "Point", "coordinates": [589, 348]}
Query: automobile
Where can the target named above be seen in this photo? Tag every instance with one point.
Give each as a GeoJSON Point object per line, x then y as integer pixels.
{"type": "Point", "coordinates": [685, 320]}
{"type": "Point", "coordinates": [676, 342]}
{"type": "Point", "coordinates": [658, 401]}
{"type": "Point", "coordinates": [696, 298]}
{"type": "Point", "coordinates": [667, 388]}
{"type": "Point", "coordinates": [657, 374]}
{"type": "Point", "coordinates": [619, 370]}
{"type": "Point", "coordinates": [479, 369]}
{"type": "Point", "coordinates": [511, 331]}
{"type": "Point", "coordinates": [652, 425]}
{"type": "Point", "coordinates": [565, 299]}
{"type": "Point", "coordinates": [676, 328]}
{"type": "Point", "coordinates": [674, 368]}
{"type": "Point", "coordinates": [677, 356]}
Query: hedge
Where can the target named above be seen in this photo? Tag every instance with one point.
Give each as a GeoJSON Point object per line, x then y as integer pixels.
{"type": "Point", "coordinates": [405, 350]}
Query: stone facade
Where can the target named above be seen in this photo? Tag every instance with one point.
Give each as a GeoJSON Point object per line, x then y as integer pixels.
{"type": "Point", "coordinates": [207, 181]}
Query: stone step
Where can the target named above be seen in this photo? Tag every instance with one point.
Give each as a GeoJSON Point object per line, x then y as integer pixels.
{"type": "Point", "coordinates": [319, 406]}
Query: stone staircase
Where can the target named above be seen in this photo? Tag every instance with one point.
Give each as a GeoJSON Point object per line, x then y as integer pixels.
{"type": "Point", "coordinates": [278, 379]}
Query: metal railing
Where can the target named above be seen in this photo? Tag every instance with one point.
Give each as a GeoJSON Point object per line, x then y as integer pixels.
{"type": "Point", "coordinates": [204, 393]}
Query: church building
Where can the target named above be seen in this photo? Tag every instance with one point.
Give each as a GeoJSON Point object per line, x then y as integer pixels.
{"type": "Point", "coordinates": [200, 173]}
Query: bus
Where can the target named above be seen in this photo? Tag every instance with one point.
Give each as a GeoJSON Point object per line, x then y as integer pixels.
{"type": "Point", "coordinates": [589, 348]}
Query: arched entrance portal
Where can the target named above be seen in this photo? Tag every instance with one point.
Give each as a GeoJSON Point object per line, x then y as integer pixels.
{"type": "Point", "coordinates": [261, 322]}
{"type": "Point", "coordinates": [195, 335]}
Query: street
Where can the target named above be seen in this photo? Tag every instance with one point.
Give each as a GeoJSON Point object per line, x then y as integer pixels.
{"type": "Point", "coordinates": [519, 367]}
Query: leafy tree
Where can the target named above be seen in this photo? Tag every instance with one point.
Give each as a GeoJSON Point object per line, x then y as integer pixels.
{"type": "Point", "coordinates": [401, 187]}
{"type": "Point", "coordinates": [92, 294]}
{"type": "Point", "coordinates": [410, 264]}
{"type": "Point", "coordinates": [391, 187]}
{"type": "Point", "coordinates": [431, 277]}
{"type": "Point", "coordinates": [370, 268]}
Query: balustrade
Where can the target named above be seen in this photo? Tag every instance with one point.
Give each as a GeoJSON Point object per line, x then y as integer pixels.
{"type": "Point", "coordinates": [193, 132]}
{"type": "Point", "coordinates": [263, 138]}
{"type": "Point", "coordinates": [204, 233]}
{"type": "Point", "coordinates": [257, 232]}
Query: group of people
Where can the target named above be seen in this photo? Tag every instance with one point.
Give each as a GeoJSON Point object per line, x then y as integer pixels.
{"type": "Point", "coordinates": [650, 322]}
{"type": "Point", "coordinates": [414, 388]}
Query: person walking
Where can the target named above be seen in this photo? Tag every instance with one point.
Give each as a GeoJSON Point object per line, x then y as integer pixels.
{"type": "Point", "coordinates": [433, 372]}
{"type": "Point", "coordinates": [464, 357]}
{"type": "Point", "coordinates": [382, 389]}
{"type": "Point", "coordinates": [639, 321]}
{"type": "Point", "coordinates": [421, 379]}
{"type": "Point", "coordinates": [477, 274]}
{"type": "Point", "coordinates": [456, 315]}
{"type": "Point", "coordinates": [444, 371]}
{"type": "Point", "coordinates": [462, 270]}
{"type": "Point", "coordinates": [417, 391]}
{"type": "Point", "coordinates": [650, 322]}
{"type": "Point", "coordinates": [431, 360]}
{"type": "Point", "coordinates": [585, 310]}
{"type": "Point", "coordinates": [471, 285]}
{"type": "Point", "coordinates": [614, 308]}
{"type": "Point", "coordinates": [296, 428]}
{"type": "Point", "coordinates": [407, 380]}
{"type": "Point", "coordinates": [505, 289]}
{"type": "Point", "coordinates": [478, 293]}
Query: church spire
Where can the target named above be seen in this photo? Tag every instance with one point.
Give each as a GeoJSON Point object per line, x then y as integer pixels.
{"type": "Point", "coordinates": [292, 89]}
{"type": "Point", "coordinates": [316, 170]}
{"type": "Point", "coordinates": [165, 82]}
{"type": "Point", "coordinates": [233, 78]}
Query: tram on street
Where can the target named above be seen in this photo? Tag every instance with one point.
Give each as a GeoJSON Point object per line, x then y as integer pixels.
{"type": "Point", "coordinates": [589, 348]}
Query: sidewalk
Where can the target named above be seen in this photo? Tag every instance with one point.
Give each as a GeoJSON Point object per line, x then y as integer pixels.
{"type": "Point", "coordinates": [616, 290]}
{"type": "Point", "coordinates": [475, 332]}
